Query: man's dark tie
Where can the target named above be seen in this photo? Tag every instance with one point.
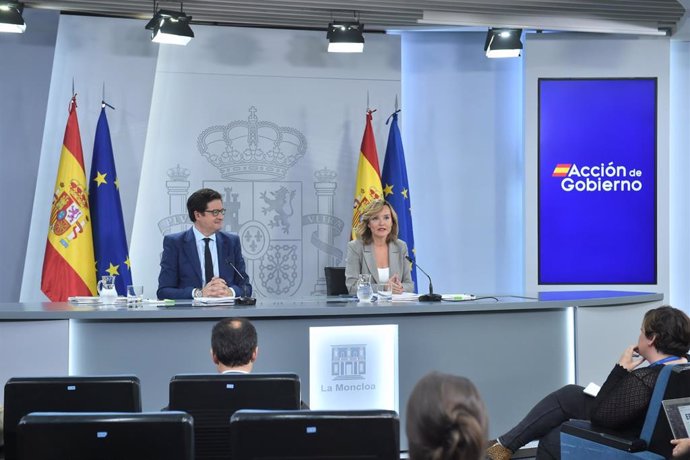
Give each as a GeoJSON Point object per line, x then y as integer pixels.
{"type": "Point", "coordinates": [208, 262]}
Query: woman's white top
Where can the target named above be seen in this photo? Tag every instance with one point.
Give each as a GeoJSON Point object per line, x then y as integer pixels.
{"type": "Point", "coordinates": [384, 274]}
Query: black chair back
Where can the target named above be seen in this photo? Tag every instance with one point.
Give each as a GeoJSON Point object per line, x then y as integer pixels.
{"type": "Point", "coordinates": [213, 398]}
{"type": "Point", "coordinates": [678, 386]}
{"type": "Point", "coordinates": [65, 394]}
{"type": "Point", "coordinates": [106, 436]}
{"type": "Point", "coordinates": [335, 281]}
{"type": "Point", "coordinates": [306, 435]}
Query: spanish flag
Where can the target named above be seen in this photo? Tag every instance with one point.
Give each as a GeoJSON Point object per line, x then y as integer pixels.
{"type": "Point", "coordinates": [561, 170]}
{"type": "Point", "coordinates": [69, 266]}
{"type": "Point", "coordinates": [368, 185]}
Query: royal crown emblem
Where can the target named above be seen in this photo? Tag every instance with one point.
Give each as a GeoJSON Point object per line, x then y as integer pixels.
{"type": "Point", "coordinates": [252, 150]}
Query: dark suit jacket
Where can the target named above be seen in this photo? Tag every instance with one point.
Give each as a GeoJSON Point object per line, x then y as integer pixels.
{"type": "Point", "coordinates": [181, 269]}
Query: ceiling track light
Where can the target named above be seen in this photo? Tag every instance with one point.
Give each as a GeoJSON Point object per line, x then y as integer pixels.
{"type": "Point", "coordinates": [170, 27]}
{"type": "Point", "coordinates": [503, 43]}
{"type": "Point", "coordinates": [11, 19]}
{"type": "Point", "coordinates": [345, 37]}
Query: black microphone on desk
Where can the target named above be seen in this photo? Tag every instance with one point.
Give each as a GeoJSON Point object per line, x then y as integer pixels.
{"type": "Point", "coordinates": [243, 299]}
{"type": "Point", "coordinates": [430, 297]}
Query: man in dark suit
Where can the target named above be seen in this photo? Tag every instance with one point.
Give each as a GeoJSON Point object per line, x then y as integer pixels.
{"type": "Point", "coordinates": [203, 261]}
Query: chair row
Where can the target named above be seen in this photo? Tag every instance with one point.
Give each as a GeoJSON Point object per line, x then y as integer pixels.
{"type": "Point", "coordinates": [253, 435]}
{"type": "Point", "coordinates": [210, 400]}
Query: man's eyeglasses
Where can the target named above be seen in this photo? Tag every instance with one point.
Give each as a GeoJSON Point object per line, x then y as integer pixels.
{"type": "Point", "coordinates": [215, 212]}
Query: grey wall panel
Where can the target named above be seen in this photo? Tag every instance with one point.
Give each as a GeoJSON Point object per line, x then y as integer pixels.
{"type": "Point", "coordinates": [33, 349]}
{"type": "Point", "coordinates": [27, 62]}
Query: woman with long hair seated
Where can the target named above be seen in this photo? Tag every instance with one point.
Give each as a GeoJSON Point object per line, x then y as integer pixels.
{"type": "Point", "coordinates": [623, 399]}
{"type": "Point", "coordinates": [377, 251]}
{"type": "Point", "coordinates": [446, 419]}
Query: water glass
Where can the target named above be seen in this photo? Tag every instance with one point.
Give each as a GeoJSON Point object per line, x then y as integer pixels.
{"type": "Point", "coordinates": [135, 294]}
{"type": "Point", "coordinates": [106, 290]}
{"type": "Point", "coordinates": [364, 289]}
{"type": "Point", "coordinates": [384, 291]}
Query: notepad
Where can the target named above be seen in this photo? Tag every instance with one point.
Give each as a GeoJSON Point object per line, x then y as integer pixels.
{"type": "Point", "coordinates": [592, 389]}
{"type": "Point", "coordinates": [457, 297]}
{"type": "Point", "coordinates": [405, 297]}
{"type": "Point", "coordinates": [214, 301]}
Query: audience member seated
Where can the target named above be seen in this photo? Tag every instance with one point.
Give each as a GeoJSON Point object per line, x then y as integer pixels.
{"type": "Point", "coordinates": [622, 402]}
{"type": "Point", "coordinates": [234, 345]}
{"type": "Point", "coordinates": [446, 419]}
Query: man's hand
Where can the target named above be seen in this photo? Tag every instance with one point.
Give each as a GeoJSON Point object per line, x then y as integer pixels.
{"type": "Point", "coordinates": [217, 287]}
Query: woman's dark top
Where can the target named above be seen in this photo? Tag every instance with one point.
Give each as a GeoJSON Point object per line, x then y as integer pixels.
{"type": "Point", "coordinates": [624, 398]}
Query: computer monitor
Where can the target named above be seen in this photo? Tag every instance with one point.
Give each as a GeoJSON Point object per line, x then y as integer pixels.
{"type": "Point", "coordinates": [212, 399]}
{"type": "Point", "coordinates": [106, 436]}
{"type": "Point", "coordinates": [311, 435]}
{"type": "Point", "coordinates": [66, 394]}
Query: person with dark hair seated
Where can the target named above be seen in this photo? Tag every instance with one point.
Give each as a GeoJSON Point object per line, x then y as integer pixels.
{"type": "Point", "coordinates": [622, 402]}
{"type": "Point", "coordinates": [234, 345]}
{"type": "Point", "coordinates": [203, 261]}
{"type": "Point", "coordinates": [446, 419]}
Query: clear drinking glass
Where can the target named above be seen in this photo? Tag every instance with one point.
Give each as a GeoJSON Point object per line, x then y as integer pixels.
{"type": "Point", "coordinates": [364, 290]}
{"type": "Point", "coordinates": [135, 294]}
{"type": "Point", "coordinates": [384, 291]}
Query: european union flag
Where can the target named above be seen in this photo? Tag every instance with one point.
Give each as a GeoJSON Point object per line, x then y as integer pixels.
{"type": "Point", "coordinates": [109, 237]}
{"type": "Point", "coordinates": [396, 189]}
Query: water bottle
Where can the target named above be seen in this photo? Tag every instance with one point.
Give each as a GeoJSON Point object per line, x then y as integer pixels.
{"type": "Point", "coordinates": [364, 289]}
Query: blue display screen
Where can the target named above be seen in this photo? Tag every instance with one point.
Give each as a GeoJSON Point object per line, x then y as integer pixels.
{"type": "Point", "coordinates": [597, 181]}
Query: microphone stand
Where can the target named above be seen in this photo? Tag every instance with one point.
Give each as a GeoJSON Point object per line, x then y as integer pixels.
{"type": "Point", "coordinates": [430, 297]}
{"type": "Point", "coordinates": [242, 300]}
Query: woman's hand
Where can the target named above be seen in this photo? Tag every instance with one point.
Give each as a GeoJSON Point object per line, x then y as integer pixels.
{"type": "Point", "coordinates": [396, 284]}
{"type": "Point", "coordinates": [682, 447]}
{"type": "Point", "coordinates": [628, 361]}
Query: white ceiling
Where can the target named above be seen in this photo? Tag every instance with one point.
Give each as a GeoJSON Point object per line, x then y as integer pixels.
{"type": "Point", "coordinates": [622, 16]}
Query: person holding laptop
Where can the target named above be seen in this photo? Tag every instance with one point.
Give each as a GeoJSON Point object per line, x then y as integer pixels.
{"type": "Point", "coordinates": [623, 399]}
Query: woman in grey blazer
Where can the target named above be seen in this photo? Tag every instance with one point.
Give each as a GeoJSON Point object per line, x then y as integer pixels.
{"type": "Point", "coordinates": [377, 251]}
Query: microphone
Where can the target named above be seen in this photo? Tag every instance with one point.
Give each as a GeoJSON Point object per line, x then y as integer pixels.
{"type": "Point", "coordinates": [242, 300]}
{"type": "Point", "coordinates": [430, 297]}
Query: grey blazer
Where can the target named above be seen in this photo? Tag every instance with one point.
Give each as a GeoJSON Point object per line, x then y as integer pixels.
{"type": "Point", "coordinates": [360, 260]}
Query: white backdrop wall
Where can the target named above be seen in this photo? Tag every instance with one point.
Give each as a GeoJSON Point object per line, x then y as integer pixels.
{"type": "Point", "coordinates": [462, 125]}
{"type": "Point", "coordinates": [268, 120]}
{"type": "Point", "coordinates": [99, 55]}
{"type": "Point", "coordinates": [166, 101]}
{"type": "Point", "coordinates": [463, 141]}
{"type": "Point", "coordinates": [679, 165]}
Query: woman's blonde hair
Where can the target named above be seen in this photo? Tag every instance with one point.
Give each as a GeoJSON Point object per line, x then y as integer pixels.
{"type": "Point", "coordinates": [364, 232]}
